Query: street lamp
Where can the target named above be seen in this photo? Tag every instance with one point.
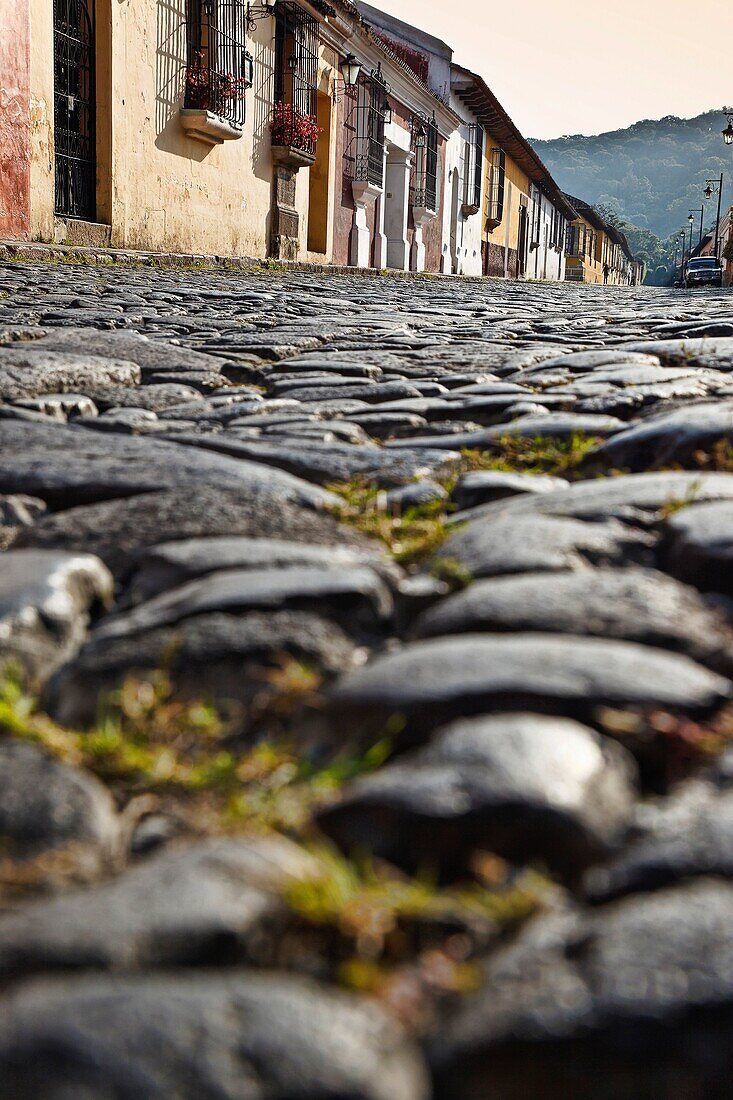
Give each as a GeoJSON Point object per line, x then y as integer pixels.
{"type": "Point", "coordinates": [683, 244]}
{"type": "Point", "coordinates": [691, 220]}
{"type": "Point", "coordinates": [715, 187]}
{"type": "Point", "coordinates": [350, 69]}
{"type": "Point", "coordinates": [728, 131]}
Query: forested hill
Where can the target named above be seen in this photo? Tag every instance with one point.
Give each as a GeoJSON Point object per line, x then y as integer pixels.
{"type": "Point", "coordinates": [652, 173]}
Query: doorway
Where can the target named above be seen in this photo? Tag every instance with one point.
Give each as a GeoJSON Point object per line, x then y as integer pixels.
{"type": "Point", "coordinates": [396, 206]}
{"type": "Point", "coordinates": [318, 180]}
{"type": "Point", "coordinates": [74, 109]}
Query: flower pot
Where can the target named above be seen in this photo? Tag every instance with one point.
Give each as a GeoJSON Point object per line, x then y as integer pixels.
{"type": "Point", "coordinates": [207, 127]}
{"type": "Point", "coordinates": [292, 157]}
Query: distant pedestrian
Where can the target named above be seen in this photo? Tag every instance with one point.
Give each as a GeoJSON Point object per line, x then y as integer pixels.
{"type": "Point", "coordinates": [606, 272]}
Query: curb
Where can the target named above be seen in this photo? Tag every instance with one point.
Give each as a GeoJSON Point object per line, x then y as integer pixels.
{"type": "Point", "coordinates": [34, 252]}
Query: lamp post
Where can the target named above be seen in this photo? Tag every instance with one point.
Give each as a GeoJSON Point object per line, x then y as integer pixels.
{"type": "Point", "coordinates": [674, 261]}
{"type": "Point", "coordinates": [691, 220]}
{"type": "Point", "coordinates": [712, 187]}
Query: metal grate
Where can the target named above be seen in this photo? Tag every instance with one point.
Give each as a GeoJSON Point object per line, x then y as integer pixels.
{"type": "Point", "coordinates": [425, 146]}
{"type": "Point", "coordinates": [74, 108]}
{"type": "Point", "coordinates": [473, 166]}
{"type": "Point", "coordinates": [219, 69]}
{"type": "Point", "coordinates": [365, 122]}
{"type": "Point", "coordinates": [294, 120]}
{"type": "Point", "coordinates": [495, 211]}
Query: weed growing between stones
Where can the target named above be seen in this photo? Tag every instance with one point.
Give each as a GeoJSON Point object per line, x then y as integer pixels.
{"type": "Point", "coordinates": [541, 455]}
{"type": "Point", "coordinates": [667, 746]}
{"type": "Point", "coordinates": [188, 755]}
{"type": "Point", "coordinates": [676, 504]}
{"type": "Point", "coordinates": [405, 940]}
{"type": "Point", "coordinates": [409, 537]}
{"type": "Point", "coordinates": [412, 536]}
{"type": "Point", "coordinates": [361, 922]}
{"type": "Point", "coordinates": [718, 459]}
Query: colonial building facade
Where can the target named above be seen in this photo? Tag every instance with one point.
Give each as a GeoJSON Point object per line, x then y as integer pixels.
{"type": "Point", "coordinates": [598, 252]}
{"type": "Point", "coordinates": [318, 130]}
{"type": "Point", "coordinates": [524, 213]}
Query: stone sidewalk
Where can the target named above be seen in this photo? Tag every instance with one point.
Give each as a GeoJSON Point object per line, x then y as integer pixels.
{"type": "Point", "coordinates": [367, 689]}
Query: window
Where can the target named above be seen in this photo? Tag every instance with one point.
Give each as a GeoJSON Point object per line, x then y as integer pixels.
{"type": "Point", "coordinates": [219, 69]}
{"type": "Point", "coordinates": [558, 228]}
{"type": "Point", "coordinates": [473, 165]}
{"type": "Point", "coordinates": [74, 108]}
{"type": "Point", "coordinates": [572, 240]}
{"type": "Point", "coordinates": [294, 120]}
{"type": "Point", "coordinates": [425, 147]}
{"type": "Point", "coordinates": [365, 122]}
{"type": "Point", "coordinates": [497, 179]}
{"type": "Point", "coordinates": [536, 218]}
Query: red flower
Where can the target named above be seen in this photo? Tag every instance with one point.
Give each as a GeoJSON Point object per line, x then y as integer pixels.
{"type": "Point", "coordinates": [290, 127]}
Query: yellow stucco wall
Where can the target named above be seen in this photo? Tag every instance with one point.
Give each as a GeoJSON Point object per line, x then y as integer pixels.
{"type": "Point", "coordinates": [158, 187]}
{"type": "Point", "coordinates": [516, 185]}
{"type": "Point", "coordinates": [592, 265]}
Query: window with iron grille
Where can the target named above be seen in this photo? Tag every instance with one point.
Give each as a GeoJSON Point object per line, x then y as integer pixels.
{"type": "Point", "coordinates": [425, 147]}
{"type": "Point", "coordinates": [219, 69]}
{"type": "Point", "coordinates": [572, 240]}
{"type": "Point", "coordinates": [473, 168]}
{"type": "Point", "coordinates": [365, 122]}
{"type": "Point", "coordinates": [558, 228]}
{"type": "Point", "coordinates": [294, 121]}
{"type": "Point", "coordinates": [74, 108]}
{"type": "Point", "coordinates": [536, 218]}
{"type": "Point", "coordinates": [497, 182]}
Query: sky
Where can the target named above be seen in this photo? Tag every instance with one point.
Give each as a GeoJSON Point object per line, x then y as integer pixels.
{"type": "Point", "coordinates": [586, 66]}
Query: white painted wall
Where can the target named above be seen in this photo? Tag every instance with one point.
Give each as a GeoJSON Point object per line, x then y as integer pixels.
{"type": "Point", "coordinates": [545, 261]}
{"type": "Point", "coordinates": [462, 257]}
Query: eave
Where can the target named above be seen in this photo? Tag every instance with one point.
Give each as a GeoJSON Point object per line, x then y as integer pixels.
{"type": "Point", "coordinates": [472, 90]}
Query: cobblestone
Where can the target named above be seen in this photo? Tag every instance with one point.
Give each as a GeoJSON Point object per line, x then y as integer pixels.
{"type": "Point", "coordinates": [442, 521]}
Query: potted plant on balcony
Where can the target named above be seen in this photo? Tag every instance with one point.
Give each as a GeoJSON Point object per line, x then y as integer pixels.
{"type": "Point", "coordinates": [209, 98]}
{"type": "Point", "coordinates": [293, 136]}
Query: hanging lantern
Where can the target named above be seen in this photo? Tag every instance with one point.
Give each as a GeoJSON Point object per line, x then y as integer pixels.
{"type": "Point", "coordinates": [350, 69]}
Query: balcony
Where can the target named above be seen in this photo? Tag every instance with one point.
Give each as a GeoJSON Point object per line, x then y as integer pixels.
{"type": "Point", "coordinates": [218, 72]}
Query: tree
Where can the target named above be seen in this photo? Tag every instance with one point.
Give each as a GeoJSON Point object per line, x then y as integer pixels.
{"type": "Point", "coordinates": [651, 172]}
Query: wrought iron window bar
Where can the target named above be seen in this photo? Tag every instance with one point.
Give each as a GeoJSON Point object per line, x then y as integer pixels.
{"type": "Point", "coordinates": [74, 109]}
{"type": "Point", "coordinates": [497, 183]}
{"type": "Point", "coordinates": [365, 123]}
{"type": "Point", "coordinates": [219, 67]}
{"type": "Point", "coordinates": [294, 120]}
{"type": "Point", "coordinates": [473, 167]}
{"type": "Point", "coordinates": [424, 143]}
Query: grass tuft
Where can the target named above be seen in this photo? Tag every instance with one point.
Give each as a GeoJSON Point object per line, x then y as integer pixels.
{"type": "Point", "coordinates": [409, 537]}
{"type": "Point", "coordinates": [188, 754]}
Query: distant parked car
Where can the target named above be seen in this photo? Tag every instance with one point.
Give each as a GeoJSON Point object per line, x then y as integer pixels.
{"type": "Point", "coordinates": [703, 271]}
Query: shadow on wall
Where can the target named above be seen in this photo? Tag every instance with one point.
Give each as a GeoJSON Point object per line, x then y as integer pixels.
{"type": "Point", "coordinates": [260, 102]}
{"type": "Point", "coordinates": [170, 71]}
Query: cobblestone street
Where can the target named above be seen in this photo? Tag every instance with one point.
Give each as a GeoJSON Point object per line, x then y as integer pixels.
{"type": "Point", "coordinates": [408, 607]}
